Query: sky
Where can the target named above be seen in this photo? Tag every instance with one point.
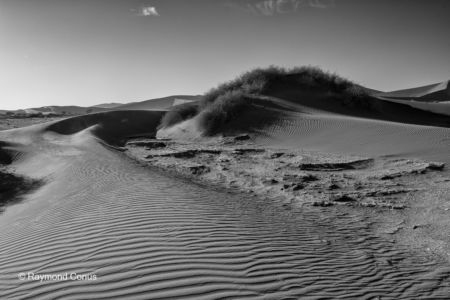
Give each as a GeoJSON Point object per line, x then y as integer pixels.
{"type": "Point", "coordinates": [86, 52]}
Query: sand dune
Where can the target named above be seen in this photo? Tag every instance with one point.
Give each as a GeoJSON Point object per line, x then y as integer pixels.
{"type": "Point", "coordinates": [386, 129]}
{"type": "Point", "coordinates": [112, 127]}
{"type": "Point", "coordinates": [368, 107]}
{"type": "Point", "coordinates": [71, 110]}
{"type": "Point", "coordinates": [432, 98]}
{"type": "Point", "coordinates": [153, 104]}
{"type": "Point", "coordinates": [157, 104]}
{"type": "Point", "coordinates": [381, 128]}
{"type": "Point", "coordinates": [334, 133]}
{"type": "Point", "coordinates": [108, 105]}
{"type": "Point", "coordinates": [429, 93]}
{"type": "Point", "coordinates": [147, 236]}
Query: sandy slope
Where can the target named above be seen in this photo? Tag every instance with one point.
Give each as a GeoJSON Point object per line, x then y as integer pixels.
{"type": "Point", "coordinates": [108, 105]}
{"type": "Point", "coordinates": [153, 104]}
{"type": "Point", "coordinates": [10, 123]}
{"type": "Point", "coordinates": [157, 104]}
{"type": "Point", "coordinates": [342, 134]}
{"type": "Point", "coordinates": [148, 236]}
{"type": "Point", "coordinates": [434, 98]}
{"type": "Point", "coordinates": [429, 93]}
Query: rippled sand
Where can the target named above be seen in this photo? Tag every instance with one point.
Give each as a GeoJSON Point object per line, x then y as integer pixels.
{"type": "Point", "coordinates": [147, 236]}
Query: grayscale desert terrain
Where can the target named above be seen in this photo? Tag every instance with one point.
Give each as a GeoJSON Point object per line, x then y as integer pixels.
{"type": "Point", "coordinates": [224, 150]}
{"type": "Point", "coordinates": [285, 198]}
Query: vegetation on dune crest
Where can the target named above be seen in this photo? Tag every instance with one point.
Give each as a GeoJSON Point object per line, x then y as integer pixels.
{"type": "Point", "coordinates": [220, 104]}
{"type": "Point", "coordinates": [224, 108]}
{"type": "Point", "coordinates": [178, 114]}
{"type": "Point", "coordinates": [261, 81]}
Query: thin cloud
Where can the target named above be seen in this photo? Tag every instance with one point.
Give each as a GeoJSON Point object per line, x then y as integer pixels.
{"type": "Point", "coordinates": [278, 7]}
{"type": "Point", "coordinates": [148, 11]}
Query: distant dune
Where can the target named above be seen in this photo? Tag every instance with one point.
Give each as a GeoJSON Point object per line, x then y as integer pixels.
{"type": "Point", "coordinates": [158, 104]}
{"type": "Point", "coordinates": [70, 110]}
{"type": "Point", "coordinates": [107, 105]}
{"type": "Point", "coordinates": [433, 98]}
{"type": "Point", "coordinates": [430, 93]}
{"type": "Point", "coordinates": [52, 111]}
{"type": "Point", "coordinates": [152, 104]}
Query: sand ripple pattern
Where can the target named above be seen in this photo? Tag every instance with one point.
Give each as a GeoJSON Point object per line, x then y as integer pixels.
{"type": "Point", "coordinates": [147, 236]}
{"type": "Point", "coordinates": [344, 134]}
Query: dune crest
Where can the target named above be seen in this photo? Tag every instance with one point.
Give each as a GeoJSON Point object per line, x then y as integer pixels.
{"type": "Point", "coordinates": [437, 92]}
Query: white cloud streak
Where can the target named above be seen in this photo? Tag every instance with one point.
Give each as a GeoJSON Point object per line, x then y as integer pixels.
{"type": "Point", "coordinates": [278, 7]}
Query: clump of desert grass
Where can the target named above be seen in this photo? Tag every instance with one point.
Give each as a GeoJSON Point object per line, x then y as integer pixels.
{"type": "Point", "coordinates": [178, 114]}
{"type": "Point", "coordinates": [220, 104]}
{"type": "Point", "coordinates": [222, 110]}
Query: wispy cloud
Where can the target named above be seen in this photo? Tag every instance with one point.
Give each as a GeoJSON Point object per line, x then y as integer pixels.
{"type": "Point", "coordinates": [277, 7]}
{"type": "Point", "coordinates": [148, 11]}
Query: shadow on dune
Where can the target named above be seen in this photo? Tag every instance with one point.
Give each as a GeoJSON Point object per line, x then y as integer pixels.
{"type": "Point", "coordinates": [113, 127]}
{"type": "Point", "coordinates": [368, 107]}
{"type": "Point", "coordinates": [5, 155]}
{"type": "Point", "coordinates": [13, 187]}
{"type": "Point", "coordinates": [254, 117]}
{"type": "Point", "coordinates": [438, 92]}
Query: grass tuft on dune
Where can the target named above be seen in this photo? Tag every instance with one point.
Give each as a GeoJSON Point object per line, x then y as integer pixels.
{"type": "Point", "coordinates": [224, 108]}
{"type": "Point", "coordinates": [178, 114]}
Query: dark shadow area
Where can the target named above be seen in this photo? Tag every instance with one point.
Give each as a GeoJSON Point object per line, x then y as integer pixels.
{"type": "Point", "coordinates": [437, 92]}
{"type": "Point", "coordinates": [114, 127]}
{"type": "Point", "coordinates": [6, 156]}
{"type": "Point", "coordinates": [13, 188]}
{"type": "Point", "coordinates": [366, 106]}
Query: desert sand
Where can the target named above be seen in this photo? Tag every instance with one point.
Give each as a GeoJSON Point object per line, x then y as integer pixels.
{"type": "Point", "coordinates": [433, 98]}
{"type": "Point", "coordinates": [438, 92]}
{"type": "Point", "coordinates": [291, 201]}
{"type": "Point", "coordinates": [11, 123]}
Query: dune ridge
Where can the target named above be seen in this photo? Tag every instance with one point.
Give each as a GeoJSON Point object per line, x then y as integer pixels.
{"type": "Point", "coordinates": [430, 93]}
{"type": "Point", "coordinates": [158, 104]}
